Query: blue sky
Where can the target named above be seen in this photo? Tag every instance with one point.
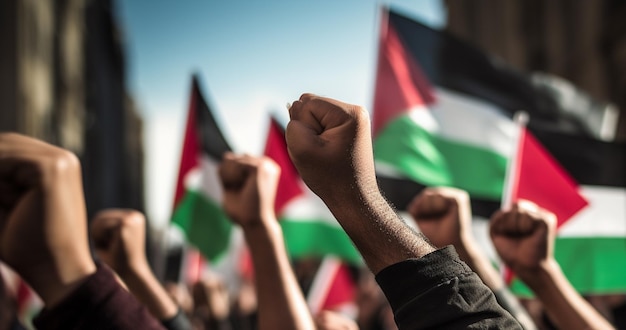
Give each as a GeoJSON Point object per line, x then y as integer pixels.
{"type": "Point", "coordinates": [252, 57]}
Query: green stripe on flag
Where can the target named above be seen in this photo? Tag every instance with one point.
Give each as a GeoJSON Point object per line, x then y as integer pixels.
{"type": "Point", "coordinates": [316, 238]}
{"type": "Point", "coordinates": [594, 265]}
{"type": "Point", "coordinates": [436, 161]}
{"type": "Point", "coordinates": [204, 223]}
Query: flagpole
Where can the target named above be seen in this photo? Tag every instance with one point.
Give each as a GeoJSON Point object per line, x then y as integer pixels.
{"type": "Point", "coordinates": [512, 176]}
{"type": "Point", "coordinates": [510, 179]}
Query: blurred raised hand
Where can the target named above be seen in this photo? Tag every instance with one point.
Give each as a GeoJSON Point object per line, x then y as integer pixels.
{"type": "Point", "coordinates": [524, 237]}
{"type": "Point", "coordinates": [43, 226]}
{"type": "Point", "coordinates": [249, 185]}
{"type": "Point", "coordinates": [119, 237]}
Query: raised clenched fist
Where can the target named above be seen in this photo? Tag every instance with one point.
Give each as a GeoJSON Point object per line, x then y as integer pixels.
{"type": "Point", "coordinates": [443, 215]}
{"type": "Point", "coordinates": [523, 236]}
{"type": "Point", "coordinates": [330, 143]}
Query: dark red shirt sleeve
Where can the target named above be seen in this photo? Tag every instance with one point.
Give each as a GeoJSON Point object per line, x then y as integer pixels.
{"type": "Point", "coordinates": [99, 303]}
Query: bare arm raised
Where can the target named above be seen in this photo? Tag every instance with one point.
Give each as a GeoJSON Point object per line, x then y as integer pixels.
{"type": "Point", "coordinates": [250, 185]}
{"type": "Point", "coordinates": [119, 236]}
{"type": "Point", "coordinates": [330, 144]}
{"type": "Point", "coordinates": [524, 238]}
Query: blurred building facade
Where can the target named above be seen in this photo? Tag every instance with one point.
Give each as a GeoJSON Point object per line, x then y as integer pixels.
{"type": "Point", "coordinates": [62, 79]}
{"type": "Point", "coordinates": [581, 41]}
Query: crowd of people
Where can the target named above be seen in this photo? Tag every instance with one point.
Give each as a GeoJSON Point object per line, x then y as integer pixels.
{"type": "Point", "coordinates": [436, 277]}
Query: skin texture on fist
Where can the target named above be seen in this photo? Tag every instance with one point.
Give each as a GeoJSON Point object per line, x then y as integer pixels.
{"type": "Point", "coordinates": [331, 146]}
{"type": "Point", "coordinates": [330, 143]}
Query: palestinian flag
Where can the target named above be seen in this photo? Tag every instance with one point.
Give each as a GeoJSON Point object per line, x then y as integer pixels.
{"type": "Point", "coordinates": [198, 198]}
{"type": "Point", "coordinates": [308, 226]}
{"type": "Point", "coordinates": [442, 116]}
{"type": "Point", "coordinates": [534, 175]}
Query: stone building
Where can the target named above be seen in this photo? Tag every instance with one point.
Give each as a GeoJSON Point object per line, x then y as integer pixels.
{"type": "Point", "coordinates": [62, 79]}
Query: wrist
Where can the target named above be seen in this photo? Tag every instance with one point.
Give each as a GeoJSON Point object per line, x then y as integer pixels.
{"type": "Point", "coordinates": [358, 194]}
{"type": "Point", "coordinates": [134, 273]}
{"type": "Point", "coordinates": [537, 277]}
{"type": "Point", "coordinates": [144, 285]}
{"type": "Point", "coordinates": [264, 227]}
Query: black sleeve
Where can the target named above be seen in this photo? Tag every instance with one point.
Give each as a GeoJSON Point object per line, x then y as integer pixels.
{"type": "Point", "coordinates": [98, 303]}
{"type": "Point", "coordinates": [508, 301]}
{"type": "Point", "coordinates": [440, 291]}
{"type": "Point", "coordinates": [177, 322]}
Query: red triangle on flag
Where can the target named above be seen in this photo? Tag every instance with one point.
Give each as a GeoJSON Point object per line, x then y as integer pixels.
{"type": "Point", "coordinates": [400, 83]}
{"type": "Point", "coordinates": [289, 185]}
{"type": "Point", "coordinates": [537, 177]}
{"type": "Point", "coordinates": [541, 179]}
{"type": "Point", "coordinates": [189, 158]}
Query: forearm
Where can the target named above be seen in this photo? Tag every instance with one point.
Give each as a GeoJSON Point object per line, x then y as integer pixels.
{"type": "Point", "coordinates": [67, 264]}
{"type": "Point", "coordinates": [146, 288]}
{"type": "Point", "coordinates": [281, 303]}
{"type": "Point", "coordinates": [566, 308]}
{"type": "Point", "coordinates": [378, 232]}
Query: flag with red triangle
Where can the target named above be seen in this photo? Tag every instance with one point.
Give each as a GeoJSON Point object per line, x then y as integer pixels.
{"type": "Point", "coordinates": [442, 116]}
{"type": "Point", "coordinates": [197, 209]}
{"type": "Point", "coordinates": [289, 185]}
{"type": "Point", "coordinates": [537, 177]}
{"type": "Point", "coordinates": [534, 175]}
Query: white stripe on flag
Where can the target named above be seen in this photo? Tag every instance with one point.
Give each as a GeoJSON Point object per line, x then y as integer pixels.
{"type": "Point", "coordinates": [605, 216]}
{"type": "Point", "coordinates": [468, 120]}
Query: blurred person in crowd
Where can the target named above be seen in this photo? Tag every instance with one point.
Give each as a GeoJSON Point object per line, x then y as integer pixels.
{"type": "Point", "coordinates": [211, 303]}
{"type": "Point", "coordinates": [180, 293]}
{"type": "Point", "coordinates": [119, 237]}
{"type": "Point", "coordinates": [244, 310]}
{"type": "Point", "coordinates": [374, 312]}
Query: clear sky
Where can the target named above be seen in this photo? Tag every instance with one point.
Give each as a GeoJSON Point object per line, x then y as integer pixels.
{"type": "Point", "coordinates": [252, 57]}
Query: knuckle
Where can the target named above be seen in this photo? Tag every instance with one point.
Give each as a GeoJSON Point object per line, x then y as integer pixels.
{"type": "Point", "coordinates": [63, 161]}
